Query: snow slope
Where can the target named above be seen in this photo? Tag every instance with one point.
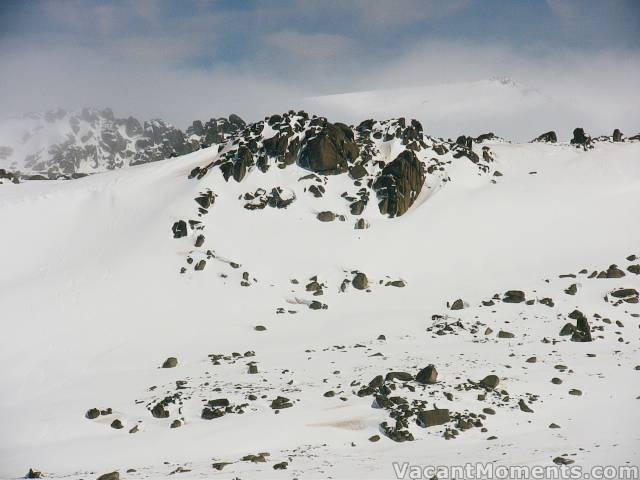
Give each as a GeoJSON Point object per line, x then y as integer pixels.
{"type": "Point", "coordinates": [501, 105]}
{"type": "Point", "coordinates": [93, 302]}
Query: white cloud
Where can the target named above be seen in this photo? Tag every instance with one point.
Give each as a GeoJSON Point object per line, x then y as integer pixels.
{"type": "Point", "coordinates": [312, 46]}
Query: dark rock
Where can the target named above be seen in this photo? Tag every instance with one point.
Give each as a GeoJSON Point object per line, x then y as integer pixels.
{"type": "Point", "coordinates": [175, 424]}
{"type": "Point", "coordinates": [330, 150]}
{"type": "Point", "coordinates": [457, 305]}
{"type": "Point", "coordinates": [199, 241]}
{"type": "Point", "coordinates": [357, 207]}
{"type": "Point", "coordinates": [92, 413]}
{"type": "Point", "coordinates": [179, 229]}
{"type": "Point", "coordinates": [614, 272]}
{"type": "Point", "coordinates": [315, 305]}
{"type": "Point", "coordinates": [549, 137]}
{"type": "Point", "coordinates": [431, 418]}
{"type": "Point", "coordinates": [399, 184]}
{"type": "Point", "coordinates": [159, 411]}
{"type": "Point", "coordinates": [360, 281]}
{"type": "Point", "coordinates": [361, 224]}
{"type": "Point", "coordinates": [109, 476]}
{"type": "Point", "coordinates": [490, 382]}
{"type": "Point", "coordinates": [281, 466]}
{"type": "Point", "coordinates": [428, 375]}
{"type": "Point", "coordinates": [484, 137]}
{"type": "Point", "coordinates": [617, 135]}
{"type": "Point", "coordinates": [34, 474]}
{"type": "Point", "coordinates": [376, 382]}
{"type": "Point", "coordinates": [326, 216]}
{"type": "Point", "coordinates": [402, 376]}
{"type": "Point", "coordinates": [170, 362]}
{"type": "Point", "coordinates": [117, 424]}
{"type": "Point", "coordinates": [397, 433]}
{"type": "Point", "coordinates": [211, 413]}
{"type": "Point", "coordinates": [547, 301]}
{"type": "Point", "coordinates": [568, 329]}
{"type": "Point", "coordinates": [513, 296]}
{"type": "Point", "coordinates": [281, 402]}
{"type": "Point", "coordinates": [580, 139]}
{"type": "Point", "coordinates": [358, 171]}
{"type": "Point", "coordinates": [505, 334]}
{"type": "Point", "coordinates": [524, 407]}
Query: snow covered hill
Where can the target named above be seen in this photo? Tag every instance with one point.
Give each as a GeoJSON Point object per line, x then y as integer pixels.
{"type": "Point", "coordinates": [313, 300]}
{"type": "Point", "coordinates": [501, 105]}
{"type": "Point", "coordinates": [62, 144]}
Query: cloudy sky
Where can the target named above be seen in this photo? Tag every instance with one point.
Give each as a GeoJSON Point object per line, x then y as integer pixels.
{"type": "Point", "coordinates": [200, 58]}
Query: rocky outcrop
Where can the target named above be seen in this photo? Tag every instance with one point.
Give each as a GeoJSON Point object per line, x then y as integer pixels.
{"type": "Point", "coordinates": [580, 139]}
{"type": "Point", "coordinates": [328, 148]}
{"type": "Point", "coordinates": [399, 184]}
{"type": "Point", "coordinates": [60, 145]}
{"type": "Point", "coordinates": [548, 137]}
{"type": "Point", "coordinates": [617, 135]}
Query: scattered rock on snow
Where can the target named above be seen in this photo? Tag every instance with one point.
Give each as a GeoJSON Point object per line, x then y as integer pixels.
{"type": "Point", "coordinates": [170, 362]}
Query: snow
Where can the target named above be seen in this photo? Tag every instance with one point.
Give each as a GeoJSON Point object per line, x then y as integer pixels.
{"type": "Point", "coordinates": [500, 105]}
{"type": "Point", "coordinates": [93, 302]}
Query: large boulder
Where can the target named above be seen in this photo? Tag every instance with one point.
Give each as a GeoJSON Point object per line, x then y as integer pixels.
{"type": "Point", "coordinates": [399, 184]}
{"type": "Point", "coordinates": [548, 137]}
{"type": "Point", "coordinates": [617, 135]}
{"type": "Point", "coordinates": [427, 375]}
{"type": "Point", "coordinates": [581, 139]}
{"type": "Point", "coordinates": [329, 150]}
{"type": "Point", "coordinates": [431, 418]}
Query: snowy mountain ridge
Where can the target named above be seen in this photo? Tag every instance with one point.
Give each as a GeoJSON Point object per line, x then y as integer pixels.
{"type": "Point", "coordinates": [62, 144]}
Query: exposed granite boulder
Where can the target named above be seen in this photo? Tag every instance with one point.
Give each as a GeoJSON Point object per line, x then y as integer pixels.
{"type": "Point", "coordinates": [548, 137]}
{"type": "Point", "coordinates": [328, 149]}
{"type": "Point", "coordinates": [580, 139]}
{"type": "Point", "coordinates": [399, 184]}
{"type": "Point", "coordinates": [617, 135]}
{"type": "Point", "coordinates": [431, 418]}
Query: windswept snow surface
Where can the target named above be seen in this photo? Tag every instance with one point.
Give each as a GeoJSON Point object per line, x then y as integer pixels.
{"type": "Point", "coordinates": [93, 302]}
{"type": "Point", "coordinates": [501, 104]}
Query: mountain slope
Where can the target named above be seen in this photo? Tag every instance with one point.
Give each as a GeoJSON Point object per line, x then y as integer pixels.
{"type": "Point", "coordinates": [61, 144]}
{"type": "Point", "coordinates": [99, 296]}
{"type": "Point", "coordinates": [499, 104]}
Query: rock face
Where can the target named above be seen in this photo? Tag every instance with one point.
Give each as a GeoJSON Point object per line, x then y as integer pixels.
{"type": "Point", "coordinates": [548, 137]}
{"type": "Point", "coordinates": [427, 375]}
{"type": "Point", "coordinates": [360, 281]}
{"type": "Point", "coordinates": [580, 139]}
{"type": "Point", "coordinates": [617, 135]}
{"type": "Point", "coordinates": [399, 184]}
{"type": "Point", "coordinates": [431, 418]}
{"type": "Point", "coordinates": [328, 149]}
